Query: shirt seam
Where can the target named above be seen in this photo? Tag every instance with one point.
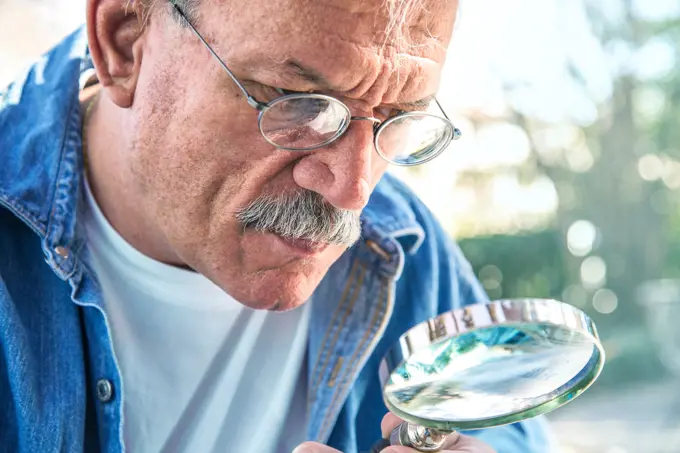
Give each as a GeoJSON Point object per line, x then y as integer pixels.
{"type": "Point", "coordinates": [355, 272]}
{"type": "Point", "coordinates": [60, 167]}
{"type": "Point", "coordinates": [375, 326]}
{"type": "Point", "coordinates": [22, 213]}
{"type": "Point", "coordinates": [342, 322]}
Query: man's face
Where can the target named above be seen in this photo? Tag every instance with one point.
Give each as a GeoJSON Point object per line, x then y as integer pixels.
{"type": "Point", "coordinates": [198, 157]}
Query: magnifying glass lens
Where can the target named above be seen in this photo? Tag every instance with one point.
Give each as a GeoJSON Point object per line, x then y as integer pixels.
{"type": "Point", "coordinates": [491, 365]}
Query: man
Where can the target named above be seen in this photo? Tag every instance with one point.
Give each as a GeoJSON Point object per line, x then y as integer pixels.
{"type": "Point", "coordinates": [200, 249]}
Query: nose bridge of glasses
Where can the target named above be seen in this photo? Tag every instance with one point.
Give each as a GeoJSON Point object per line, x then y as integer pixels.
{"type": "Point", "coordinates": [375, 121]}
{"type": "Point", "coordinates": [375, 125]}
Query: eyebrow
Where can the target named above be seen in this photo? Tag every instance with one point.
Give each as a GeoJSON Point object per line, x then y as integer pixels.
{"type": "Point", "coordinates": [419, 104]}
{"type": "Point", "coordinates": [312, 76]}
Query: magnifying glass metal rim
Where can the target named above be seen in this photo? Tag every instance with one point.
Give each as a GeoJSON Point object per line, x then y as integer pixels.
{"type": "Point", "coordinates": [511, 312]}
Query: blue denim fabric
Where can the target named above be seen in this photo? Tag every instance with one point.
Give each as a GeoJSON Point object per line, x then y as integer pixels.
{"type": "Point", "coordinates": [54, 338]}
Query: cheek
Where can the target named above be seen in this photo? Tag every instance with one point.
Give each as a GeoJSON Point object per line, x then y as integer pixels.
{"type": "Point", "coordinates": [194, 141]}
{"type": "Point", "coordinates": [198, 158]}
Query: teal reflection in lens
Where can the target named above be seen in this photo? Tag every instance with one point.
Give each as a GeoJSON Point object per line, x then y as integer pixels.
{"type": "Point", "coordinates": [493, 376]}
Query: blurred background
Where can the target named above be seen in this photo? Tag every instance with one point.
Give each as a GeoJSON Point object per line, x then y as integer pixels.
{"type": "Point", "coordinates": [566, 183]}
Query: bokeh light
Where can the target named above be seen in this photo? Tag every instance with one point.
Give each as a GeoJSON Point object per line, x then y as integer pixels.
{"type": "Point", "coordinates": [581, 237]}
{"type": "Point", "coordinates": [605, 301]}
{"type": "Point", "coordinates": [650, 167]}
{"type": "Point", "coordinates": [593, 272]}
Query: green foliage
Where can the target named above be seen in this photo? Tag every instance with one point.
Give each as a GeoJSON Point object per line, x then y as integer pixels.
{"type": "Point", "coordinates": [536, 264]}
{"type": "Point", "coordinates": [526, 265]}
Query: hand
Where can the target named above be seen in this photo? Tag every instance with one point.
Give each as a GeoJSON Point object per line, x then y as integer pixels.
{"type": "Point", "coordinates": [457, 443]}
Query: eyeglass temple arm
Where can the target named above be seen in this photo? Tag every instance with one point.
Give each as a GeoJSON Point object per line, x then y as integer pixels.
{"type": "Point", "coordinates": [442, 109]}
{"type": "Point", "coordinates": [456, 132]}
{"type": "Point", "coordinates": [251, 100]}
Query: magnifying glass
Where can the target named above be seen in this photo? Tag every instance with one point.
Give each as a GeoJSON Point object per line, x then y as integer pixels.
{"type": "Point", "coordinates": [487, 365]}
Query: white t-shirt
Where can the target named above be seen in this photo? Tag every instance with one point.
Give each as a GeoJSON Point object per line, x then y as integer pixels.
{"type": "Point", "coordinates": [201, 372]}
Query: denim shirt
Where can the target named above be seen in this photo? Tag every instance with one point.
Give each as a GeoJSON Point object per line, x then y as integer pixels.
{"type": "Point", "coordinates": [60, 385]}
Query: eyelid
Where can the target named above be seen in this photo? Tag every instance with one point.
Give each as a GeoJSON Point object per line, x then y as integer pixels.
{"type": "Point", "coordinates": [255, 84]}
{"type": "Point", "coordinates": [284, 91]}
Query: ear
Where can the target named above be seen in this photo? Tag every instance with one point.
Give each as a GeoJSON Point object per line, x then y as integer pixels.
{"type": "Point", "coordinates": [115, 34]}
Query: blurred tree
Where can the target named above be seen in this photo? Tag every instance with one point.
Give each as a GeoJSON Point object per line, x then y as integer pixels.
{"type": "Point", "coordinates": [524, 265]}
{"type": "Point", "coordinates": [621, 175]}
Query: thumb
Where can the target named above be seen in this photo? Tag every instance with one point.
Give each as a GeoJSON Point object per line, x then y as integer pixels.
{"type": "Point", "coordinates": [313, 447]}
{"type": "Point", "coordinates": [389, 422]}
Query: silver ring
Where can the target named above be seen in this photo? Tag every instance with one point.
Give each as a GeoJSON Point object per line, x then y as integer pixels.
{"type": "Point", "coordinates": [418, 437]}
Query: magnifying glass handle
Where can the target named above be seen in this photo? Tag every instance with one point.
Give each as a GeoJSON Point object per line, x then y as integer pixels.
{"type": "Point", "coordinates": [414, 436]}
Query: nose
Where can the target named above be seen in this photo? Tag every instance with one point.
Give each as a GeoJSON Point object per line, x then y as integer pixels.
{"type": "Point", "coordinates": [342, 171]}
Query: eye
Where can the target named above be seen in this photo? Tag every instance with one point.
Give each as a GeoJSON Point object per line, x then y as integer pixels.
{"type": "Point", "coordinates": [284, 91]}
{"type": "Point", "coordinates": [262, 92]}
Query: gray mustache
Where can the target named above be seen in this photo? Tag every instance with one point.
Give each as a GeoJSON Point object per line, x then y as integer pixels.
{"type": "Point", "coordinates": [302, 215]}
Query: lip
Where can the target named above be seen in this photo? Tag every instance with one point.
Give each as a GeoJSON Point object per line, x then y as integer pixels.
{"type": "Point", "coordinates": [302, 247]}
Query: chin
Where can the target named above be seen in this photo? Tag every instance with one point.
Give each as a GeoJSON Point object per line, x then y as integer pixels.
{"type": "Point", "coordinates": [268, 300]}
{"type": "Point", "coordinates": [273, 290]}
{"type": "Point", "coordinates": [284, 306]}
{"type": "Point", "coordinates": [269, 278]}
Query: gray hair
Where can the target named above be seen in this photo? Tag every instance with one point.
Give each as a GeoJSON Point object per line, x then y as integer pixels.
{"type": "Point", "coordinates": [188, 7]}
{"type": "Point", "coordinates": [399, 13]}
{"type": "Point", "coordinates": [302, 214]}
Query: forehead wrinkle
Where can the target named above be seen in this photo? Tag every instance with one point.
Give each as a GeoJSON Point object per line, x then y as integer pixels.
{"type": "Point", "coordinates": [372, 84]}
{"type": "Point", "coordinates": [347, 53]}
{"type": "Point", "coordinates": [412, 83]}
{"type": "Point", "coordinates": [380, 82]}
{"type": "Point", "coordinates": [377, 78]}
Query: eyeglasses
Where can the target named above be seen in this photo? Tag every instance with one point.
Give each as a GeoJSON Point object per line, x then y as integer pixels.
{"type": "Point", "coordinates": [309, 121]}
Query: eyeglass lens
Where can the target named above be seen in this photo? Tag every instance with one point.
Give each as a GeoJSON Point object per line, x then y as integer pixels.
{"type": "Point", "coordinates": [413, 138]}
{"type": "Point", "coordinates": [302, 122]}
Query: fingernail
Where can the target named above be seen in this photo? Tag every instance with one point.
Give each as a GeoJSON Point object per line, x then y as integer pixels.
{"type": "Point", "coordinates": [301, 449]}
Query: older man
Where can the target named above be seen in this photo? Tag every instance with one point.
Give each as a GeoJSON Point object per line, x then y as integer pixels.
{"type": "Point", "coordinates": [200, 250]}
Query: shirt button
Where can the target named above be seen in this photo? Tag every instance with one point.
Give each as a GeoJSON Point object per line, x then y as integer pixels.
{"type": "Point", "coordinates": [104, 390]}
{"type": "Point", "coordinates": [61, 251]}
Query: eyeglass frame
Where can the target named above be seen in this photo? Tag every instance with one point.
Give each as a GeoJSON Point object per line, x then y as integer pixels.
{"type": "Point", "coordinates": [378, 125]}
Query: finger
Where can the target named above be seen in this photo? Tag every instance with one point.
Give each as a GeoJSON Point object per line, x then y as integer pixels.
{"type": "Point", "coordinates": [456, 443]}
{"type": "Point", "coordinates": [467, 444]}
{"type": "Point", "coordinates": [389, 422]}
{"type": "Point", "coordinates": [459, 443]}
{"type": "Point", "coordinates": [313, 447]}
